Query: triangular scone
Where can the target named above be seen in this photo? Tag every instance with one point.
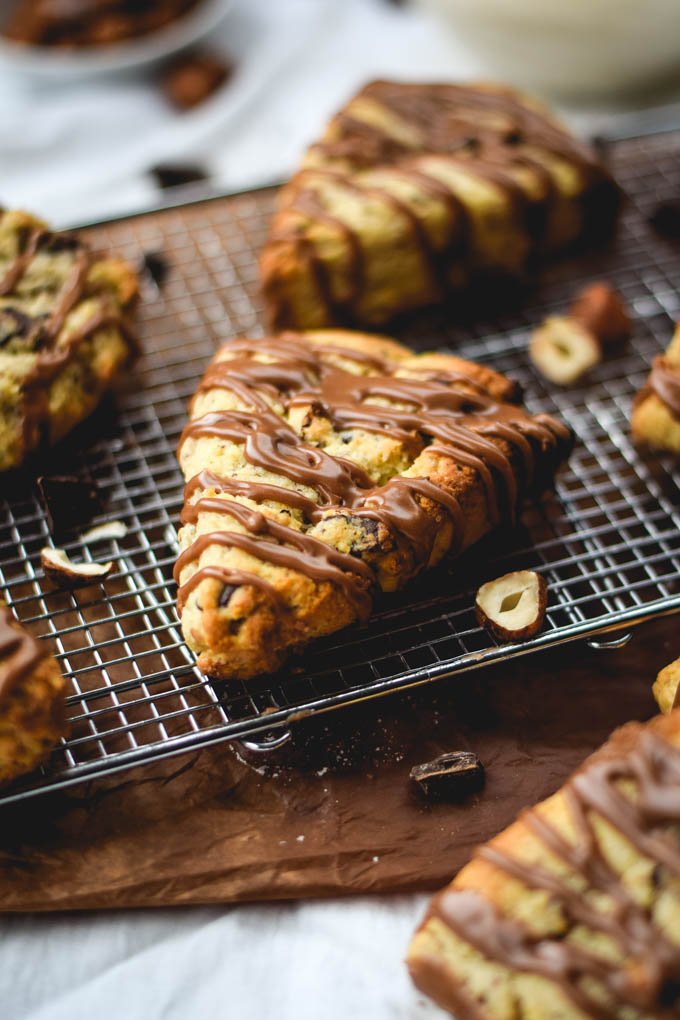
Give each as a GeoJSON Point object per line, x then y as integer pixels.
{"type": "Point", "coordinates": [323, 466]}
{"type": "Point", "coordinates": [656, 412]}
{"type": "Point", "coordinates": [415, 188]}
{"type": "Point", "coordinates": [32, 705]}
{"type": "Point", "coordinates": [574, 910]}
{"type": "Point", "coordinates": [63, 332]}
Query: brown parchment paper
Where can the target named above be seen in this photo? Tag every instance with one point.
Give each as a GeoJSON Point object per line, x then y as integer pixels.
{"type": "Point", "coordinates": [336, 814]}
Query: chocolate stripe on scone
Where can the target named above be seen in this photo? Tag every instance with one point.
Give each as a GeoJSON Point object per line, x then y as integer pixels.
{"type": "Point", "coordinates": [574, 910]}
{"type": "Point", "coordinates": [331, 464]}
{"type": "Point", "coordinates": [414, 189]}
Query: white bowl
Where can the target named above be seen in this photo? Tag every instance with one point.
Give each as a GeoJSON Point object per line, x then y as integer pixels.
{"type": "Point", "coordinates": [52, 62]}
{"type": "Point", "coordinates": [570, 49]}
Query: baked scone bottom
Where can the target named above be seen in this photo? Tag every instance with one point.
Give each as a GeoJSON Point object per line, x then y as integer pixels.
{"type": "Point", "coordinates": [322, 467]}
{"type": "Point", "coordinates": [573, 911]}
{"type": "Point", "coordinates": [414, 190]}
{"type": "Point", "coordinates": [64, 332]}
{"type": "Point", "coordinates": [32, 703]}
{"type": "Point", "coordinates": [656, 411]}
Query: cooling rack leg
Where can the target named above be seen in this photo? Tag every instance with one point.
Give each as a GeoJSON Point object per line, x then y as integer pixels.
{"type": "Point", "coordinates": [611, 644]}
{"type": "Point", "coordinates": [267, 744]}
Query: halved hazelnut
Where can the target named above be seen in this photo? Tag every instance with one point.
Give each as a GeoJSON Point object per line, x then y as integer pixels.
{"type": "Point", "coordinates": [512, 607]}
{"type": "Point", "coordinates": [601, 311]}
{"type": "Point", "coordinates": [562, 350]}
{"type": "Point", "coordinates": [63, 572]}
{"type": "Point", "coordinates": [666, 687]}
{"type": "Point", "coordinates": [111, 529]}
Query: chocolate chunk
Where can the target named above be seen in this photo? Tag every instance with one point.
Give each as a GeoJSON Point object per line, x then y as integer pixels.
{"type": "Point", "coordinates": [451, 776]}
{"type": "Point", "coordinates": [193, 78]}
{"type": "Point", "coordinates": [225, 595]}
{"type": "Point", "coordinates": [156, 266]}
{"type": "Point", "coordinates": [601, 146]}
{"type": "Point", "coordinates": [173, 175]}
{"type": "Point", "coordinates": [59, 241]}
{"type": "Point", "coordinates": [669, 992]}
{"type": "Point", "coordinates": [15, 325]}
{"type": "Point", "coordinates": [68, 502]}
{"type": "Point", "coordinates": [666, 219]}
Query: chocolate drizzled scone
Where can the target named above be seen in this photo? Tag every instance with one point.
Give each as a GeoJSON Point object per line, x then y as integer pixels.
{"type": "Point", "coordinates": [32, 706]}
{"type": "Point", "coordinates": [64, 336]}
{"type": "Point", "coordinates": [416, 188]}
{"type": "Point", "coordinates": [656, 412]}
{"type": "Point", "coordinates": [327, 465]}
{"type": "Point", "coordinates": [573, 911]}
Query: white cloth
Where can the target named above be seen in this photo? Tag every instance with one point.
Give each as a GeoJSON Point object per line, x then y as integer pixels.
{"type": "Point", "coordinates": [78, 152]}
{"type": "Point", "coordinates": [305, 961]}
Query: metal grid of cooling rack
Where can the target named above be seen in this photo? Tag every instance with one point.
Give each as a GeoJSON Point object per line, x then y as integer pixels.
{"type": "Point", "coordinates": [608, 541]}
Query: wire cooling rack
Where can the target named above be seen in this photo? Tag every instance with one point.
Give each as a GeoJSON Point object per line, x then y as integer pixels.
{"type": "Point", "coordinates": [608, 541]}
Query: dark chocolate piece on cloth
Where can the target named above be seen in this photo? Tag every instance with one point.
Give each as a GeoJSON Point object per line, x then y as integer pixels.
{"type": "Point", "coordinates": [192, 78]}
{"type": "Point", "coordinates": [68, 501]}
{"type": "Point", "coordinates": [155, 266]}
{"type": "Point", "coordinates": [451, 776]}
{"type": "Point", "coordinates": [338, 817]}
{"type": "Point", "coordinates": [174, 175]}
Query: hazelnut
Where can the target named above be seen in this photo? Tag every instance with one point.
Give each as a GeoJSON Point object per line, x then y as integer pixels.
{"type": "Point", "coordinates": [512, 607]}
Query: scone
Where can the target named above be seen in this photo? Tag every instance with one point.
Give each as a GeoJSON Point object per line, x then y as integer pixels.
{"type": "Point", "coordinates": [324, 466]}
{"type": "Point", "coordinates": [415, 189]}
{"type": "Point", "coordinates": [656, 412]}
{"type": "Point", "coordinates": [64, 334]}
{"type": "Point", "coordinates": [32, 700]}
{"type": "Point", "coordinates": [574, 910]}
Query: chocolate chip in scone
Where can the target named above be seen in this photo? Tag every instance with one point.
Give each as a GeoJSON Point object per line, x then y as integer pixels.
{"type": "Point", "coordinates": [225, 595]}
{"type": "Point", "coordinates": [59, 241]}
{"type": "Point", "coordinates": [513, 137]}
{"type": "Point", "coordinates": [193, 78]}
{"type": "Point", "coordinates": [174, 175]}
{"type": "Point", "coordinates": [451, 776]}
{"type": "Point", "coordinates": [370, 529]}
{"type": "Point", "coordinates": [16, 325]}
{"type": "Point", "coordinates": [665, 219]}
{"type": "Point", "coordinates": [68, 502]}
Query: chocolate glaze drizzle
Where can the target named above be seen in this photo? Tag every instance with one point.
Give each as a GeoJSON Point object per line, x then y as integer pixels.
{"type": "Point", "coordinates": [19, 652]}
{"type": "Point", "coordinates": [650, 974]}
{"type": "Point", "coordinates": [451, 416]}
{"type": "Point", "coordinates": [42, 334]}
{"type": "Point", "coordinates": [490, 134]}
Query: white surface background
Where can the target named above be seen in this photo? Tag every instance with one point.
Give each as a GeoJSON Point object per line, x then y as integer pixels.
{"type": "Point", "coordinates": [79, 152]}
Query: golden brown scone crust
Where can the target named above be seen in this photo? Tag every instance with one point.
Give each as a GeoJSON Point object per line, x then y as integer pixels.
{"type": "Point", "coordinates": [64, 334]}
{"type": "Point", "coordinates": [32, 704]}
{"type": "Point", "coordinates": [240, 629]}
{"type": "Point", "coordinates": [654, 422]}
{"type": "Point", "coordinates": [538, 913]}
{"type": "Point", "coordinates": [665, 687]}
{"type": "Point", "coordinates": [413, 190]}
